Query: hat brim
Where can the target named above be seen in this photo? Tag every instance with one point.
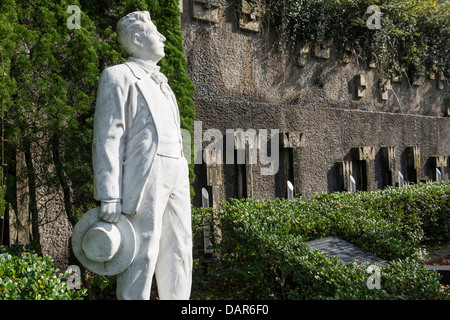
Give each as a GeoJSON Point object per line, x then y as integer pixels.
{"type": "Point", "coordinates": [121, 260]}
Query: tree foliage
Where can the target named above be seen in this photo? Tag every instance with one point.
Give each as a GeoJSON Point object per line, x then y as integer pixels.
{"type": "Point", "coordinates": [24, 275]}
{"type": "Point", "coordinates": [50, 87]}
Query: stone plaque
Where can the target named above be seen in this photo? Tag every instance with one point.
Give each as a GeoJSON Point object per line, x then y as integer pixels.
{"type": "Point", "coordinates": [361, 85]}
{"type": "Point", "coordinates": [401, 180]}
{"type": "Point", "coordinates": [385, 85]}
{"type": "Point", "coordinates": [439, 161]}
{"type": "Point", "coordinates": [352, 184]}
{"type": "Point", "coordinates": [418, 79]}
{"type": "Point", "coordinates": [372, 61]}
{"type": "Point", "coordinates": [206, 223]}
{"type": "Point", "coordinates": [344, 251]}
{"type": "Point", "coordinates": [438, 175]}
{"type": "Point", "coordinates": [363, 153]}
{"type": "Point", "coordinates": [303, 55]}
{"type": "Point", "coordinates": [250, 16]}
{"type": "Point", "coordinates": [290, 190]}
{"type": "Point", "coordinates": [322, 50]}
{"type": "Point", "coordinates": [205, 10]}
{"type": "Point", "coordinates": [290, 139]}
{"type": "Point", "coordinates": [346, 56]}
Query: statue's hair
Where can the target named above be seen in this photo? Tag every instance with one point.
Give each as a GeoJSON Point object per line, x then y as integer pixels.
{"type": "Point", "coordinates": [128, 25]}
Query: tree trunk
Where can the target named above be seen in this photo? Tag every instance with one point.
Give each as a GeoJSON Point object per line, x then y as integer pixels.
{"type": "Point", "coordinates": [32, 205]}
{"type": "Point", "coordinates": [62, 180]}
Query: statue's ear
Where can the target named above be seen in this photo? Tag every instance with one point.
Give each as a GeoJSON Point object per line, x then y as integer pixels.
{"type": "Point", "coordinates": [137, 40]}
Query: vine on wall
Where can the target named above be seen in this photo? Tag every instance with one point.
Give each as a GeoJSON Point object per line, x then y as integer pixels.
{"type": "Point", "coordinates": [413, 36]}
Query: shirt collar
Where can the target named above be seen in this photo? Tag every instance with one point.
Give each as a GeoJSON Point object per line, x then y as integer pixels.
{"type": "Point", "coordinates": [147, 67]}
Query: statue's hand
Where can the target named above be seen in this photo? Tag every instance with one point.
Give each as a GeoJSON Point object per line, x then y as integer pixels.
{"type": "Point", "coordinates": [110, 211]}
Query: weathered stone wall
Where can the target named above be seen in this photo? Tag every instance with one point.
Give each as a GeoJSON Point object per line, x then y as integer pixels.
{"type": "Point", "coordinates": [245, 81]}
{"type": "Point", "coordinates": [54, 227]}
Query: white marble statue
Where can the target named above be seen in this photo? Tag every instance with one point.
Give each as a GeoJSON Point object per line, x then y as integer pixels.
{"type": "Point", "coordinates": [140, 173]}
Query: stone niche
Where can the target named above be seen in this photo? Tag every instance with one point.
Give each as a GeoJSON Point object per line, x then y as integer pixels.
{"type": "Point", "coordinates": [205, 10]}
{"type": "Point", "coordinates": [245, 148]}
{"type": "Point", "coordinates": [363, 156]}
{"type": "Point", "coordinates": [388, 165]}
{"type": "Point", "coordinates": [213, 173]}
{"type": "Point", "coordinates": [361, 85]}
{"type": "Point", "coordinates": [289, 139]}
{"type": "Point", "coordinates": [413, 162]}
{"type": "Point", "coordinates": [440, 163]}
{"type": "Point", "coordinates": [290, 143]}
{"type": "Point", "coordinates": [385, 86]}
{"type": "Point", "coordinates": [302, 58]}
{"type": "Point", "coordinates": [322, 50]}
{"type": "Point", "coordinates": [250, 16]}
{"type": "Point", "coordinates": [213, 168]}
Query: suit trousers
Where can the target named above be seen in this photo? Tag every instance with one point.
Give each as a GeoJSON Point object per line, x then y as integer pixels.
{"type": "Point", "coordinates": [163, 235]}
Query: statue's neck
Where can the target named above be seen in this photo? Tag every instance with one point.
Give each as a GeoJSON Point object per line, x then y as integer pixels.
{"type": "Point", "coordinates": [148, 65]}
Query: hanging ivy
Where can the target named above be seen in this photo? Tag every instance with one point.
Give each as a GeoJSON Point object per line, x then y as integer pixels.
{"type": "Point", "coordinates": [414, 35]}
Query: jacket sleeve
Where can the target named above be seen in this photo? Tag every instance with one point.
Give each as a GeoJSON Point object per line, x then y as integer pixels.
{"type": "Point", "coordinates": [109, 129]}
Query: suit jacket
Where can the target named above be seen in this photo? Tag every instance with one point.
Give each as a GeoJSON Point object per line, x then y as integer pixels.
{"type": "Point", "coordinates": [125, 140]}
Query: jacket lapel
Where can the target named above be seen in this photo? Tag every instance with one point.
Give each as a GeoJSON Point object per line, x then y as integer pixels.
{"type": "Point", "coordinates": [144, 87]}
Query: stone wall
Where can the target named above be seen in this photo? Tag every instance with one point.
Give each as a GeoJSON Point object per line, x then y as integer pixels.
{"type": "Point", "coordinates": [247, 80]}
{"type": "Point", "coordinates": [54, 227]}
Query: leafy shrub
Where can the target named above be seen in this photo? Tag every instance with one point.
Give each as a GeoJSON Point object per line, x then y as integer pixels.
{"type": "Point", "coordinates": [26, 276]}
{"type": "Point", "coordinates": [264, 255]}
{"type": "Point", "coordinates": [423, 210]}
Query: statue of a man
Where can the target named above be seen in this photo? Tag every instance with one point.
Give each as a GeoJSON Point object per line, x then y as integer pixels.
{"type": "Point", "coordinates": [139, 166]}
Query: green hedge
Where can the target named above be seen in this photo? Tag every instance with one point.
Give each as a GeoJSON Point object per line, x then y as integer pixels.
{"type": "Point", "coordinates": [26, 276]}
{"type": "Point", "coordinates": [264, 256]}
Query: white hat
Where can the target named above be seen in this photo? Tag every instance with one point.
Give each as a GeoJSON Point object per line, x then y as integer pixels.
{"type": "Point", "coordinates": [102, 247]}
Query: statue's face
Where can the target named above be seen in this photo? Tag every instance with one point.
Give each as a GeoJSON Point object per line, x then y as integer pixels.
{"type": "Point", "coordinates": [150, 43]}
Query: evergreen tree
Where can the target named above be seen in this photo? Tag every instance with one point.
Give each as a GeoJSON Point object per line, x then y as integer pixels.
{"type": "Point", "coordinates": [50, 88]}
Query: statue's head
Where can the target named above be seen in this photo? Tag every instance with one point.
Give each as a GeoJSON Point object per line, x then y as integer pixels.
{"type": "Point", "coordinates": [139, 36]}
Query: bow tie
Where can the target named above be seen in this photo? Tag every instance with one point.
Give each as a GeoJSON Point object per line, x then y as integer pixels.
{"type": "Point", "coordinates": [161, 80]}
{"type": "Point", "coordinates": [158, 77]}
